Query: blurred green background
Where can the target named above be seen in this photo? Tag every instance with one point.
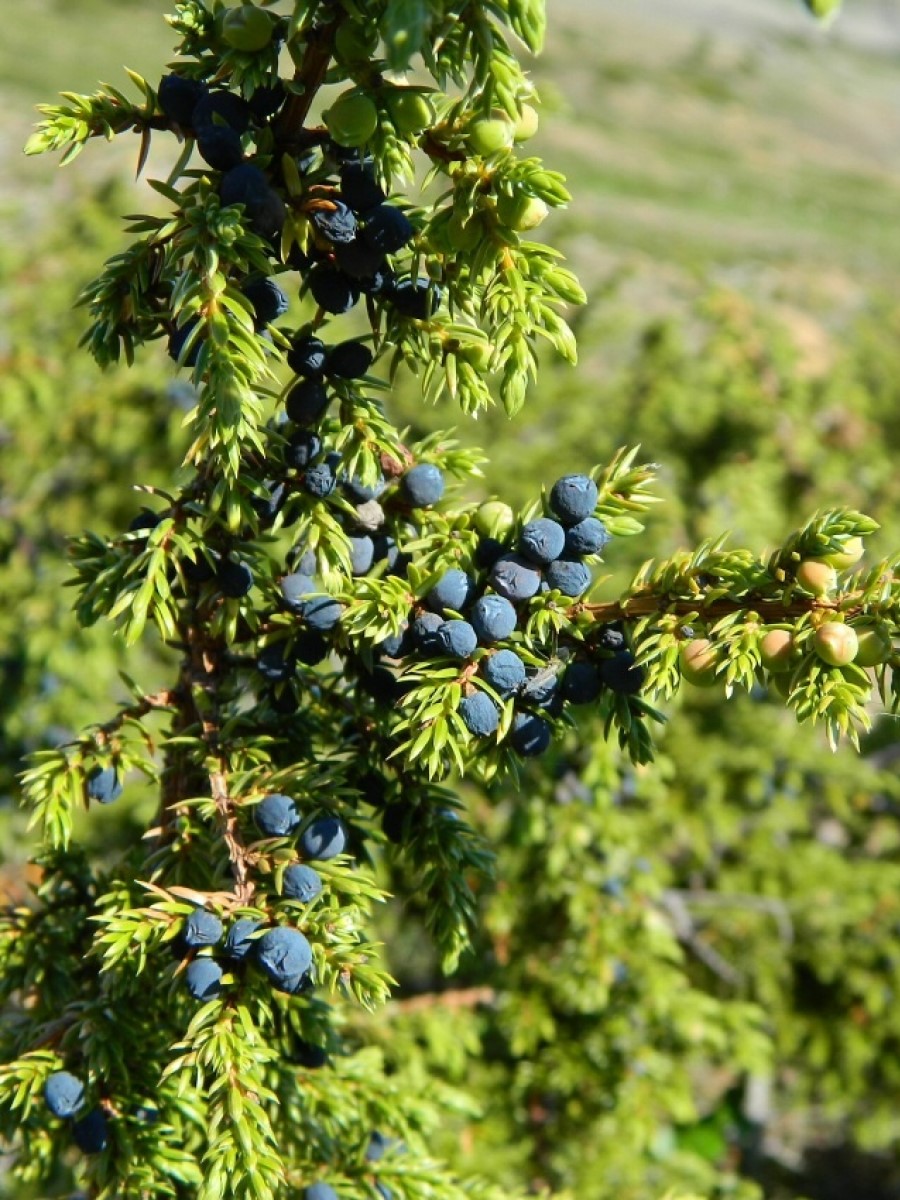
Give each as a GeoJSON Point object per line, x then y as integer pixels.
{"type": "Point", "coordinates": [736, 180]}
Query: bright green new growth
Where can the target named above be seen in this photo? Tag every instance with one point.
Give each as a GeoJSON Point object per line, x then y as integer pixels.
{"type": "Point", "coordinates": [236, 1116]}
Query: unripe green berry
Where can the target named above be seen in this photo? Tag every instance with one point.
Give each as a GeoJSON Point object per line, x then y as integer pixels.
{"type": "Point", "coordinates": [823, 9]}
{"type": "Point", "coordinates": [698, 662]}
{"type": "Point", "coordinates": [490, 135]}
{"type": "Point", "coordinates": [875, 645]}
{"type": "Point", "coordinates": [352, 119]}
{"type": "Point", "coordinates": [410, 111]}
{"type": "Point", "coordinates": [521, 213]}
{"type": "Point", "coordinates": [852, 551]}
{"type": "Point", "coordinates": [463, 235]}
{"type": "Point", "coordinates": [836, 643]}
{"type": "Point", "coordinates": [477, 354]}
{"type": "Point", "coordinates": [247, 28]}
{"type": "Point", "coordinates": [355, 41]}
{"type": "Point", "coordinates": [776, 650]}
{"type": "Point", "coordinates": [527, 124]}
{"type": "Point", "coordinates": [494, 519]}
{"type": "Point", "coordinates": [816, 576]}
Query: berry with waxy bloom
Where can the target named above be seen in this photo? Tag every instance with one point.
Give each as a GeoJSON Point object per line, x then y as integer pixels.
{"type": "Point", "coordinates": [480, 714]}
{"type": "Point", "coordinates": [64, 1094]}
{"type": "Point", "coordinates": [203, 977]}
{"type": "Point", "coordinates": [276, 815]}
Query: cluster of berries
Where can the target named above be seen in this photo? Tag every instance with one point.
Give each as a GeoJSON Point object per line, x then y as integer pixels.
{"type": "Point", "coordinates": [355, 231]}
{"type": "Point", "coordinates": [219, 120]}
{"type": "Point", "coordinates": [463, 614]}
{"type": "Point", "coordinates": [282, 953]}
{"type": "Point", "coordinates": [319, 613]}
{"type": "Point", "coordinates": [64, 1096]}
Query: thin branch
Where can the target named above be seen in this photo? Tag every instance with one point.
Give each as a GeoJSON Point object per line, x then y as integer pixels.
{"type": "Point", "coordinates": [310, 75]}
{"type": "Point", "coordinates": [453, 999]}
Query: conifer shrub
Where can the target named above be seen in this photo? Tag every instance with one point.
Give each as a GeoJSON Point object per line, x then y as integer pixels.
{"type": "Point", "coordinates": [351, 634]}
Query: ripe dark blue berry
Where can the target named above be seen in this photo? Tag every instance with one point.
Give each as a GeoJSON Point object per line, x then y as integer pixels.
{"type": "Point", "coordinates": [573, 497]}
{"type": "Point", "coordinates": [387, 229]}
{"type": "Point", "coordinates": [493, 618]}
{"type": "Point", "coordinates": [335, 221]}
{"type": "Point", "coordinates": [276, 815]}
{"type": "Point", "coordinates": [321, 613]}
{"type": "Point", "coordinates": [396, 645]}
{"type": "Point", "coordinates": [239, 941]}
{"type": "Point", "coordinates": [234, 578]}
{"type": "Point", "coordinates": [423, 485]}
{"type": "Point", "coordinates": [302, 883]}
{"type": "Point", "coordinates": [91, 1132]}
{"type": "Point", "coordinates": [587, 537]}
{"type": "Point", "coordinates": [504, 671]}
{"type": "Point", "coordinates": [307, 356]}
{"type": "Point", "coordinates": [349, 360]}
{"type": "Point", "coordinates": [178, 97]}
{"type": "Point", "coordinates": [359, 187]}
{"type": "Point", "coordinates": [320, 1191]}
{"type": "Point", "coordinates": [263, 207]}
{"type": "Point", "coordinates": [621, 674]}
{"type": "Point", "coordinates": [312, 1057]}
{"type": "Point", "coordinates": [425, 632]}
{"type": "Point", "coordinates": [360, 262]}
{"type": "Point", "coordinates": [269, 505]}
{"type": "Point", "coordinates": [302, 449]}
{"type": "Point", "coordinates": [363, 492]}
{"type": "Point", "coordinates": [199, 570]}
{"type": "Point", "coordinates": [220, 147]}
{"type": "Point", "coordinates": [285, 956]}
{"type": "Point", "coordinates": [378, 1146]}
{"type": "Point", "coordinates": [179, 338]}
{"type": "Point", "coordinates": [530, 734]}
{"type": "Point", "coordinates": [515, 578]}
{"type": "Point", "coordinates": [104, 785]}
{"type": "Point", "coordinates": [64, 1094]}
{"type": "Point", "coordinates": [415, 298]}
{"type": "Point", "coordinates": [294, 590]}
{"type": "Point", "coordinates": [380, 282]}
{"type": "Point", "coordinates": [386, 548]}
{"type": "Point", "coordinates": [268, 300]}
{"type": "Point", "coordinates": [612, 638]}
{"type": "Point", "coordinates": [571, 578]}
{"type": "Point", "coordinates": [488, 551]}
{"type": "Point", "coordinates": [307, 401]}
{"type": "Point", "coordinates": [581, 684]}
{"type": "Point", "coordinates": [265, 101]}
{"type": "Point", "coordinates": [451, 591]}
{"type": "Point", "coordinates": [310, 648]}
{"type": "Point", "coordinates": [319, 480]}
{"type": "Point", "coordinates": [275, 663]}
{"type": "Point", "coordinates": [203, 978]}
{"type": "Point", "coordinates": [362, 554]}
{"type": "Point", "coordinates": [542, 540]}
{"type": "Point", "coordinates": [325, 838]}
{"type": "Point", "coordinates": [201, 928]}
{"type": "Point", "coordinates": [332, 290]}
{"type": "Point", "coordinates": [457, 638]}
{"type": "Point", "coordinates": [221, 107]}
{"type": "Point", "coordinates": [480, 714]}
